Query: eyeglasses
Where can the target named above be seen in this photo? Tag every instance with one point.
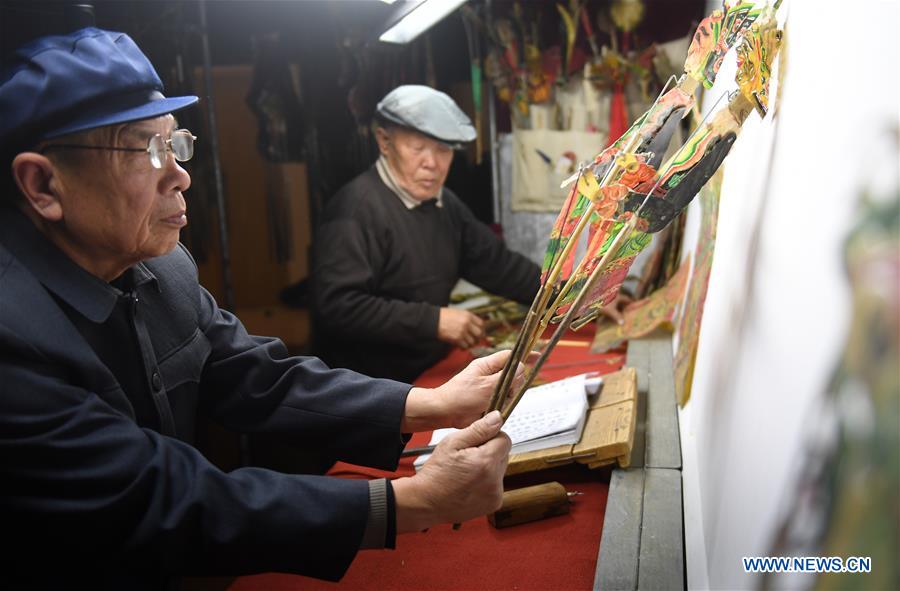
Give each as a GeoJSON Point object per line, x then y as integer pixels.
{"type": "Point", "coordinates": [180, 143]}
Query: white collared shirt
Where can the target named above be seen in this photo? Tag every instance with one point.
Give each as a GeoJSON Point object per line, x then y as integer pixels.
{"type": "Point", "coordinates": [387, 177]}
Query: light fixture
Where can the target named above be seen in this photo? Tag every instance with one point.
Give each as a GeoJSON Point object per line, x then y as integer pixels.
{"type": "Point", "coordinates": [412, 22]}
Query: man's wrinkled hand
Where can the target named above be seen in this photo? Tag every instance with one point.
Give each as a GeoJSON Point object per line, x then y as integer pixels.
{"type": "Point", "coordinates": [459, 327]}
{"type": "Point", "coordinates": [460, 400]}
{"type": "Point", "coordinates": [616, 309]}
{"type": "Point", "coordinates": [467, 394]}
{"type": "Point", "coordinates": [461, 480]}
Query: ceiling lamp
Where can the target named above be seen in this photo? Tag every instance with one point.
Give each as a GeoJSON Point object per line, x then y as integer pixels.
{"type": "Point", "coordinates": [413, 18]}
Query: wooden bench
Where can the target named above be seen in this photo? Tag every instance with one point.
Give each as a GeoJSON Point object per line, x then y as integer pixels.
{"type": "Point", "coordinates": [642, 544]}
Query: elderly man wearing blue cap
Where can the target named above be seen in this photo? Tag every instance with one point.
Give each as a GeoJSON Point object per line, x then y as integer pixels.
{"type": "Point", "coordinates": [109, 349]}
{"type": "Point", "coordinates": [394, 242]}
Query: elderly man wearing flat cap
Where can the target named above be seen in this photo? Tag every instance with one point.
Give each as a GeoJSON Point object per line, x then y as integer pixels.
{"type": "Point", "coordinates": [394, 242]}
{"type": "Point", "coordinates": [109, 349]}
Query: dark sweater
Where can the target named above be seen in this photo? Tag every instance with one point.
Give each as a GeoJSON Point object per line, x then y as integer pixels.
{"type": "Point", "coordinates": [382, 272]}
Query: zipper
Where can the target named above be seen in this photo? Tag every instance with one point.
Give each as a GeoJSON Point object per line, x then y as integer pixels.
{"type": "Point", "coordinates": [151, 370]}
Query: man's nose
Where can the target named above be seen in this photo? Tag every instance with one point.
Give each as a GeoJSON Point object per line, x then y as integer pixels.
{"type": "Point", "coordinates": [429, 160]}
{"type": "Point", "coordinates": [176, 178]}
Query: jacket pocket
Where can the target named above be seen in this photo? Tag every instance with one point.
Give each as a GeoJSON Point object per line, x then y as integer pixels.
{"type": "Point", "coordinates": [185, 363]}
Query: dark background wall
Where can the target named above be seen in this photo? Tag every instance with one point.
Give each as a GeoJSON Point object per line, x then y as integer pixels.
{"type": "Point", "coordinates": [344, 70]}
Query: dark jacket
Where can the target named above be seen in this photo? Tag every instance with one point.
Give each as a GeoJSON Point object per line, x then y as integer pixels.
{"type": "Point", "coordinates": [89, 494]}
{"type": "Point", "coordinates": [382, 273]}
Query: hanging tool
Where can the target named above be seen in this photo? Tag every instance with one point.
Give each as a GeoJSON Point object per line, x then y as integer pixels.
{"type": "Point", "coordinates": [589, 33]}
{"type": "Point", "coordinates": [474, 43]}
{"type": "Point", "coordinates": [532, 503]}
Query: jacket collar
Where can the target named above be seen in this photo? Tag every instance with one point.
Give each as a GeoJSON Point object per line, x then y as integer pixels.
{"type": "Point", "coordinates": [89, 295]}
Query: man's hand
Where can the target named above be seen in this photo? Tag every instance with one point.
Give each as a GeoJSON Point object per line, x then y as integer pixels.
{"type": "Point", "coordinates": [459, 327]}
{"type": "Point", "coordinates": [462, 479]}
{"type": "Point", "coordinates": [460, 400]}
{"type": "Point", "coordinates": [615, 309]}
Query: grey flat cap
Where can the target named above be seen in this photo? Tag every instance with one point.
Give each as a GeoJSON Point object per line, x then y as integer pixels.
{"type": "Point", "coordinates": [428, 111]}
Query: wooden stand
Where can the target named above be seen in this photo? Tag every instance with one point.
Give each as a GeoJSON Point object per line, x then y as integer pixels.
{"type": "Point", "coordinates": [608, 431]}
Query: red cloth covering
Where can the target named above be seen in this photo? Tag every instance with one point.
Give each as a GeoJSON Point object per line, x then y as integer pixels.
{"type": "Point", "coordinates": [618, 115]}
{"type": "Point", "coordinates": [557, 553]}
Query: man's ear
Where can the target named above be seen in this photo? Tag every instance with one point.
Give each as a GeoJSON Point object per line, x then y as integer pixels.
{"type": "Point", "coordinates": [382, 137]}
{"type": "Point", "coordinates": [38, 181]}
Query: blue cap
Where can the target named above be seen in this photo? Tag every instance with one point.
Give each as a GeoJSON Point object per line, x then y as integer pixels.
{"type": "Point", "coordinates": [66, 83]}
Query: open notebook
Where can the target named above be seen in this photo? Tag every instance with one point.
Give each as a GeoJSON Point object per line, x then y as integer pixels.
{"type": "Point", "coordinates": [548, 415]}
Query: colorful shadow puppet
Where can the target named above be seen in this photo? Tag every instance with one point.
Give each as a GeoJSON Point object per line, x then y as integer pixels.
{"type": "Point", "coordinates": [628, 193]}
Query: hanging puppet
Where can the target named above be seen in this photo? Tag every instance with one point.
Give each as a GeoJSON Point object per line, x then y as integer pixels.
{"type": "Point", "coordinates": [627, 193]}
